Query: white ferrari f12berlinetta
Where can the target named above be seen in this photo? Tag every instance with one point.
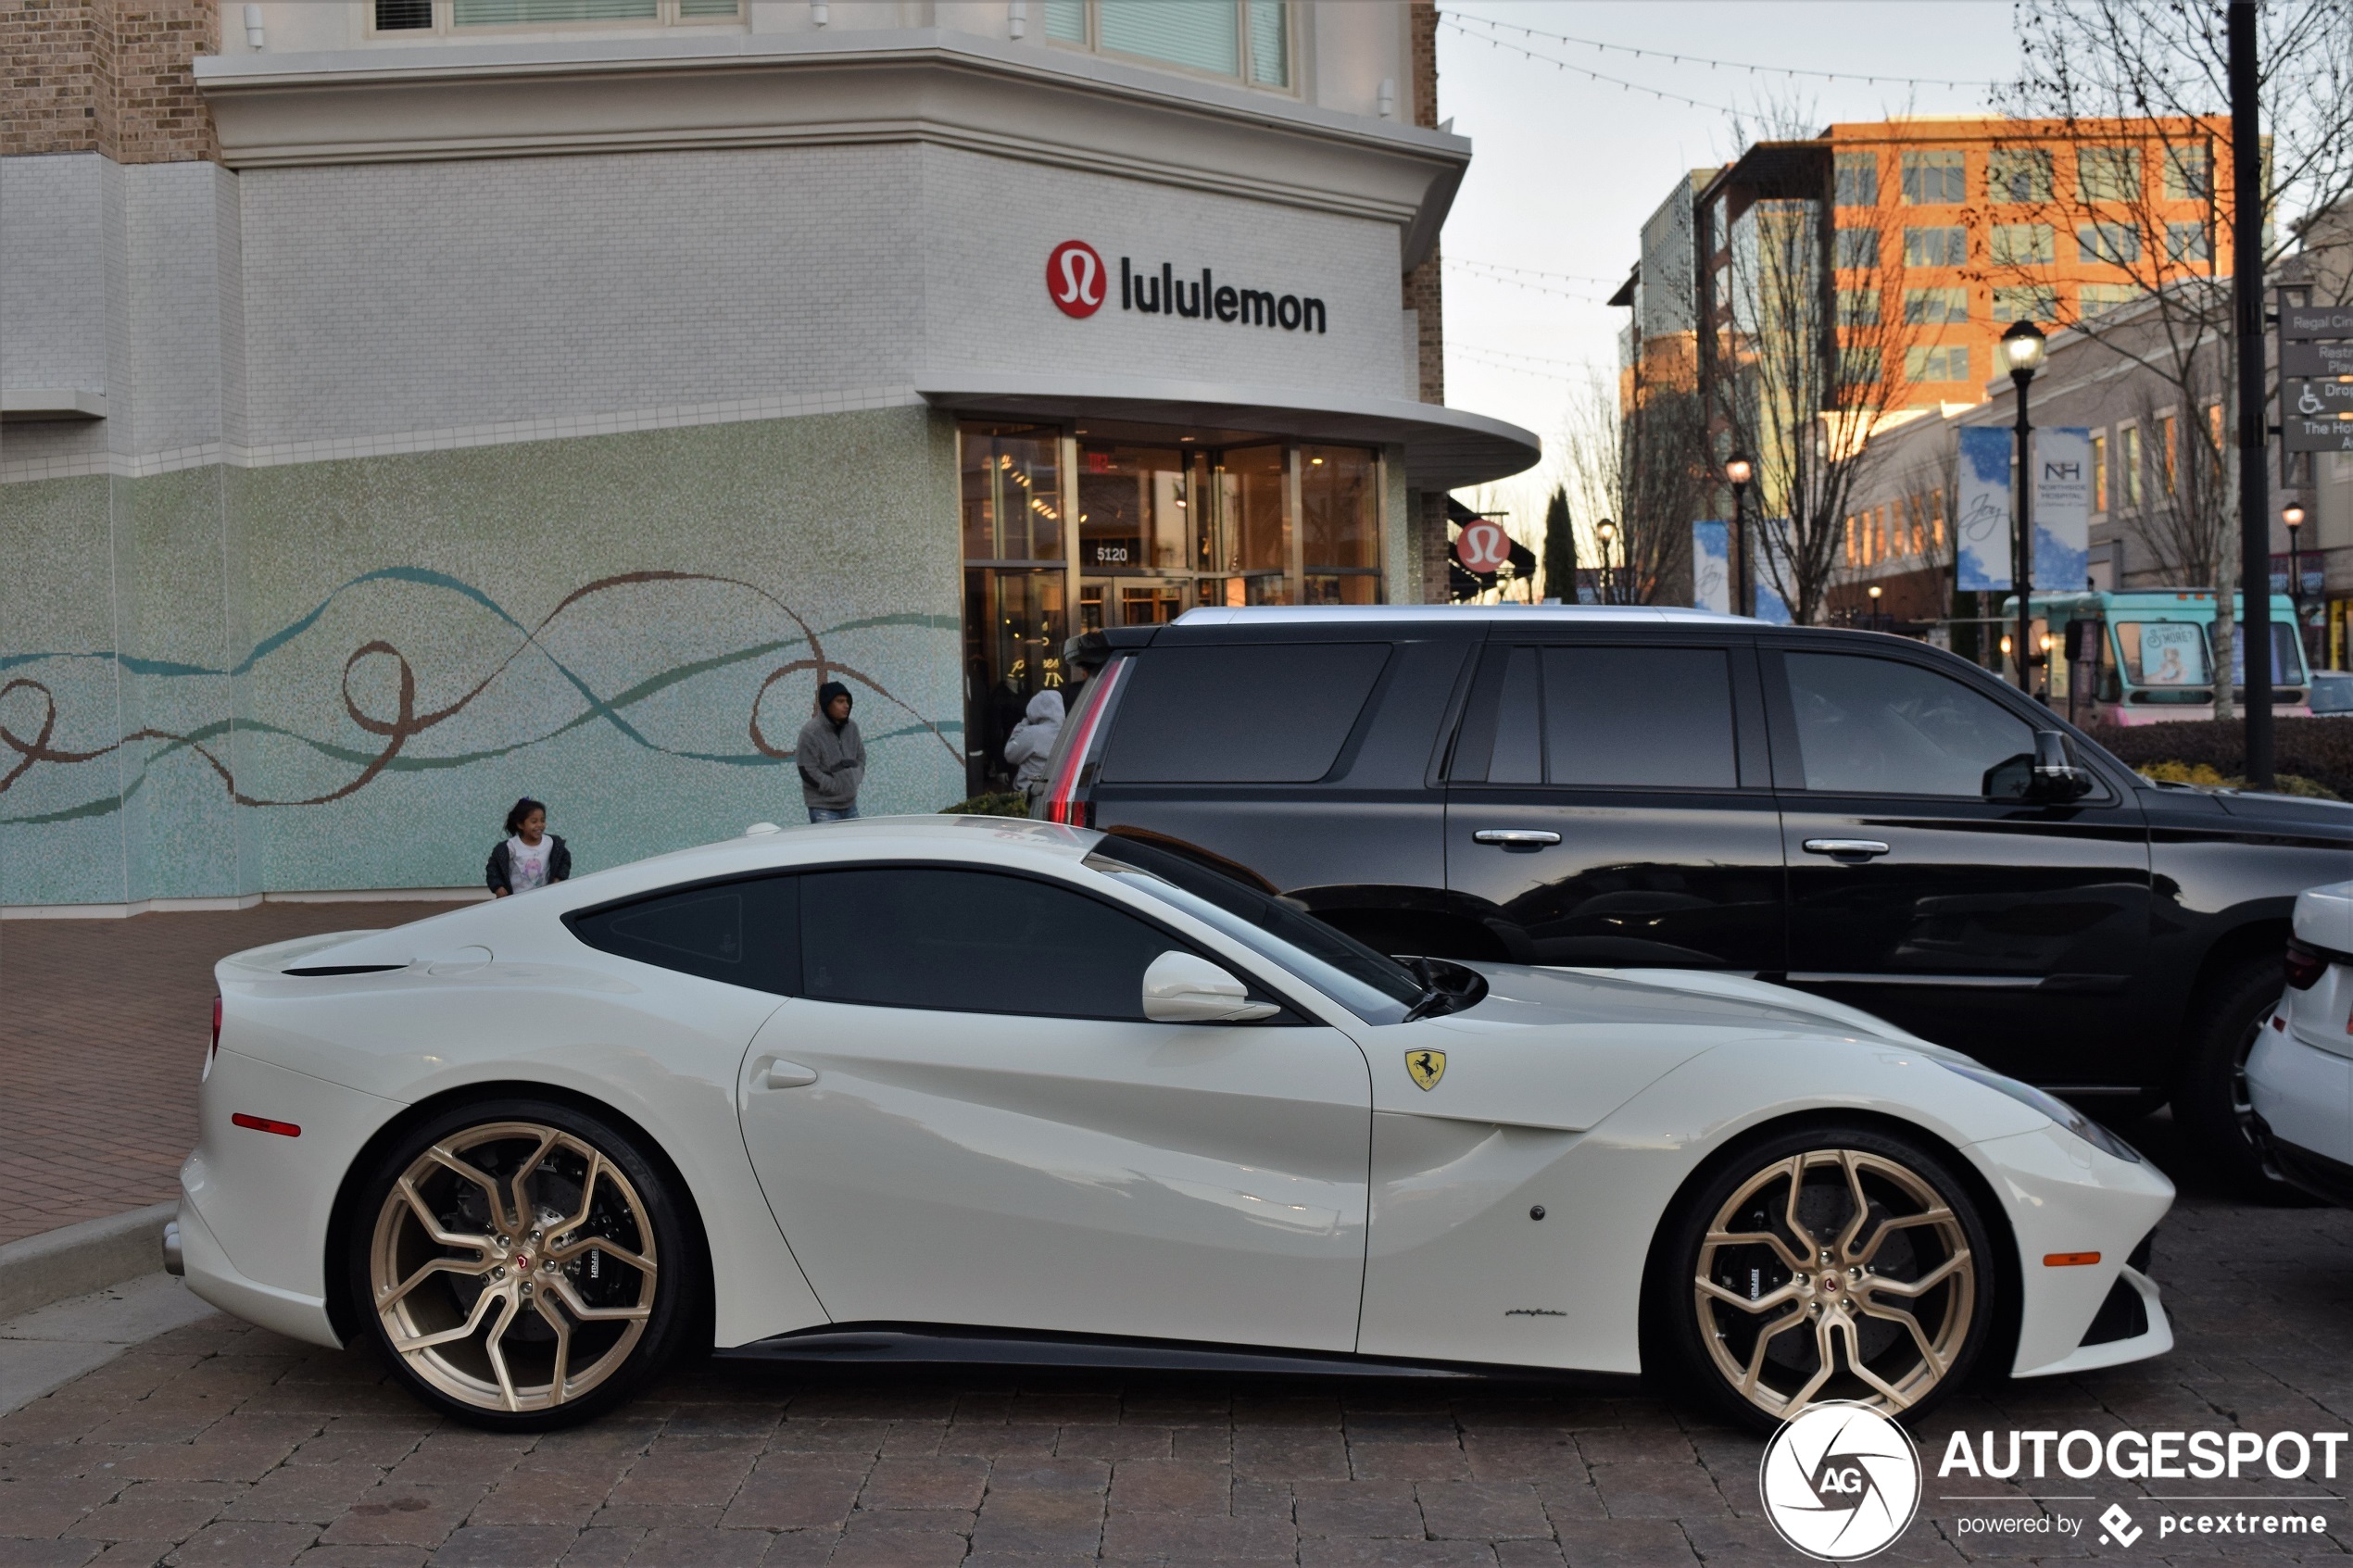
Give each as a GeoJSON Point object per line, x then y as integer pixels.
{"type": "Point", "coordinates": [954, 1089]}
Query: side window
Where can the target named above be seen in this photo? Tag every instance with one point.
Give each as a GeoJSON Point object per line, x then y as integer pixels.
{"type": "Point", "coordinates": [744, 933]}
{"type": "Point", "coordinates": [1879, 726]}
{"type": "Point", "coordinates": [1264, 713]}
{"type": "Point", "coordinates": [926, 937]}
{"type": "Point", "coordinates": [1616, 718]}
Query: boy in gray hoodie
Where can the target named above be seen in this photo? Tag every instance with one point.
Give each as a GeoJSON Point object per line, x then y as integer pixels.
{"type": "Point", "coordinates": [831, 757]}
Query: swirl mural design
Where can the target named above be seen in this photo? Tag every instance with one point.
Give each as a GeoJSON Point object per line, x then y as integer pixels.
{"type": "Point", "coordinates": [380, 690]}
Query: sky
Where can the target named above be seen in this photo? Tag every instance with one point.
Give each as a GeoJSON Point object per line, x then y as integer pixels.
{"type": "Point", "coordinates": [1564, 168]}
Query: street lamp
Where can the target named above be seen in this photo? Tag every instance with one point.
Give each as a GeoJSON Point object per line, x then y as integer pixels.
{"type": "Point", "coordinates": [1607, 530]}
{"type": "Point", "coordinates": [2022, 348]}
{"type": "Point", "coordinates": [2294, 517]}
{"type": "Point", "coordinates": [1875, 591]}
{"type": "Point", "coordinates": [1740, 471]}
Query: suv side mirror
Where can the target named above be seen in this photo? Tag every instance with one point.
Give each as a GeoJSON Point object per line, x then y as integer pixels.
{"type": "Point", "coordinates": [2056, 778]}
{"type": "Point", "coordinates": [1183, 987]}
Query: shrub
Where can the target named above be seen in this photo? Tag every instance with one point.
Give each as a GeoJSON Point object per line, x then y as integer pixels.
{"type": "Point", "coordinates": [1003, 803]}
{"type": "Point", "coordinates": [2200, 774]}
{"type": "Point", "coordinates": [2317, 751]}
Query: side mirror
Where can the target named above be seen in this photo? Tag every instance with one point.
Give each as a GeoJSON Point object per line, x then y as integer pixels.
{"type": "Point", "coordinates": [1186, 988]}
{"type": "Point", "coordinates": [2056, 775]}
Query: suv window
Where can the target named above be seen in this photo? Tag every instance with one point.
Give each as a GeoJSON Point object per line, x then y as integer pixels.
{"type": "Point", "coordinates": [1621, 718]}
{"type": "Point", "coordinates": [1879, 726]}
{"type": "Point", "coordinates": [1267, 713]}
{"type": "Point", "coordinates": [745, 933]}
{"type": "Point", "coordinates": [965, 941]}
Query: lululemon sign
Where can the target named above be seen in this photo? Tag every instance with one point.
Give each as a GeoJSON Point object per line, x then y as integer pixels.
{"type": "Point", "coordinates": [1074, 278]}
{"type": "Point", "coordinates": [1482, 546]}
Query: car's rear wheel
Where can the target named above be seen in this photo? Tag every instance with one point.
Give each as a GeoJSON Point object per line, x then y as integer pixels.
{"type": "Point", "coordinates": [1829, 1263]}
{"type": "Point", "coordinates": [2213, 1102]}
{"type": "Point", "coordinates": [524, 1263]}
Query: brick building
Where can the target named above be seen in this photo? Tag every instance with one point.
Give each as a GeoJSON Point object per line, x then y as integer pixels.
{"type": "Point", "coordinates": [413, 404]}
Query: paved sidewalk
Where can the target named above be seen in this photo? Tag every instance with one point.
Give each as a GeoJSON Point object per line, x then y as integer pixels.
{"type": "Point", "coordinates": [220, 1444]}
{"type": "Point", "coordinates": [102, 1025]}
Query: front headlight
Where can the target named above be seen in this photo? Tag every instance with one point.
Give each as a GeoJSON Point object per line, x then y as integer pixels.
{"type": "Point", "coordinates": [2050, 1104]}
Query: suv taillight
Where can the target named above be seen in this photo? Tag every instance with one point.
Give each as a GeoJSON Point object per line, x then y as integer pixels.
{"type": "Point", "coordinates": [2304, 967]}
{"type": "Point", "coordinates": [1063, 803]}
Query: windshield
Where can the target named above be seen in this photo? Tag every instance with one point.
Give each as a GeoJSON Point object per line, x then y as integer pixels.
{"type": "Point", "coordinates": [2288, 659]}
{"type": "Point", "coordinates": [1375, 988]}
{"type": "Point", "coordinates": [2162, 653]}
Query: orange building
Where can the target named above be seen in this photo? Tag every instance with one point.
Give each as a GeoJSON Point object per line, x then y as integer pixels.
{"type": "Point", "coordinates": [1942, 232]}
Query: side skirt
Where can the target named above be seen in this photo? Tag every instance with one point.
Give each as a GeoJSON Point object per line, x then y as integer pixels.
{"type": "Point", "coordinates": [937, 1345]}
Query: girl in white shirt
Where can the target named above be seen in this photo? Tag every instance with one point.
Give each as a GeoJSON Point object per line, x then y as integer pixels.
{"type": "Point", "coordinates": [529, 855]}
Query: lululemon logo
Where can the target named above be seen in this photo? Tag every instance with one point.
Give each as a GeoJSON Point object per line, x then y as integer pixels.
{"type": "Point", "coordinates": [1074, 278]}
{"type": "Point", "coordinates": [1839, 1482]}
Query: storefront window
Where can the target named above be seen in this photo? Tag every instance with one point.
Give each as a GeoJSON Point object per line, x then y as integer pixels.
{"type": "Point", "coordinates": [1135, 507]}
{"type": "Point", "coordinates": [1340, 511]}
{"type": "Point", "coordinates": [1013, 501]}
{"type": "Point", "coordinates": [1014, 628]}
{"type": "Point", "coordinates": [1254, 535]}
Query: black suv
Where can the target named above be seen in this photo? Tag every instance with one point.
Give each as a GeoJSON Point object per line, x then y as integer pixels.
{"type": "Point", "coordinates": [1842, 812]}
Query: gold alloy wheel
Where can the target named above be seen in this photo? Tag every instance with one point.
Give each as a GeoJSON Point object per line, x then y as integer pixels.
{"type": "Point", "coordinates": [513, 1266]}
{"type": "Point", "coordinates": [1837, 1273]}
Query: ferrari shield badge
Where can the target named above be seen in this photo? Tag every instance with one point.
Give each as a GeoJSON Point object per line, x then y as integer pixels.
{"type": "Point", "coordinates": [1425, 1068]}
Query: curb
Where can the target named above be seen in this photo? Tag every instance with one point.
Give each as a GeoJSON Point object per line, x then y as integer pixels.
{"type": "Point", "coordinates": [77, 1260]}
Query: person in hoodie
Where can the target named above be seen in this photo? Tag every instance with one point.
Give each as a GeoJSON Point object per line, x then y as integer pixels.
{"type": "Point", "coordinates": [1030, 746]}
{"type": "Point", "coordinates": [831, 757]}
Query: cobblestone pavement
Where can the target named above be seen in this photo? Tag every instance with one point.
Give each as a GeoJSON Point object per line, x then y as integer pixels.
{"type": "Point", "coordinates": [222, 1444]}
{"type": "Point", "coordinates": [113, 1014]}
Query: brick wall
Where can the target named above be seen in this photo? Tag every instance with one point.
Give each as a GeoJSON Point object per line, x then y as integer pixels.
{"type": "Point", "coordinates": [1423, 292]}
{"type": "Point", "coordinates": [107, 76]}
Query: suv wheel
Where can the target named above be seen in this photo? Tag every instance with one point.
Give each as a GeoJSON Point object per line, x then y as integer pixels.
{"type": "Point", "coordinates": [1829, 1263]}
{"type": "Point", "coordinates": [2212, 1102]}
{"type": "Point", "coordinates": [522, 1264]}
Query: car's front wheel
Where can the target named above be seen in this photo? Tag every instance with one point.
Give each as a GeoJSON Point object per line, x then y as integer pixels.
{"type": "Point", "coordinates": [1828, 1264]}
{"type": "Point", "coordinates": [524, 1263]}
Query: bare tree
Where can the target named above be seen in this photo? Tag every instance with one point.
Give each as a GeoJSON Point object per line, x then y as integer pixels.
{"type": "Point", "coordinates": [2139, 90]}
{"type": "Point", "coordinates": [1813, 354]}
{"type": "Point", "coordinates": [1642, 463]}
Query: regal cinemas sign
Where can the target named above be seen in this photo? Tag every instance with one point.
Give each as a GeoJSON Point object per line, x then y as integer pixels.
{"type": "Point", "coordinates": [1080, 285]}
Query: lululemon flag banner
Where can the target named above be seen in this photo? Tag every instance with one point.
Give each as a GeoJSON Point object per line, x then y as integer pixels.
{"type": "Point", "coordinates": [1981, 528]}
{"type": "Point", "coordinates": [1711, 567]}
{"type": "Point", "coordinates": [2062, 509]}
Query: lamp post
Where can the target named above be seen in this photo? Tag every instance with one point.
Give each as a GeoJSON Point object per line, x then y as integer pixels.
{"type": "Point", "coordinates": [1740, 471]}
{"type": "Point", "coordinates": [1607, 530]}
{"type": "Point", "coordinates": [1875, 591]}
{"type": "Point", "coordinates": [2294, 517]}
{"type": "Point", "coordinates": [2022, 348]}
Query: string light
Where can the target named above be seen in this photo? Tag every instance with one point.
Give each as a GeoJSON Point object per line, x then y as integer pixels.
{"type": "Point", "coordinates": [1486, 273]}
{"type": "Point", "coordinates": [1749, 67]}
{"type": "Point", "coordinates": [1447, 20]}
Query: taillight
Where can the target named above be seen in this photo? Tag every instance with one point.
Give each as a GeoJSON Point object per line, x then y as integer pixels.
{"type": "Point", "coordinates": [213, 1050]}
{"type": "Point", "coordinates": [1062, 804]}
{"type": "Point", "coordinates": [2304, 967]}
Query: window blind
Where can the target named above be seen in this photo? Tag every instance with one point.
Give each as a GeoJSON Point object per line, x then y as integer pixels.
{"type": "Point", "coordinates": [1066, 19]}
{"type": "Point", "coordinates": [1269, 43]}
{"type": "Point", "coordinates": [532, 13]}
{"type": "Point", "coordinates": [1203, 34]}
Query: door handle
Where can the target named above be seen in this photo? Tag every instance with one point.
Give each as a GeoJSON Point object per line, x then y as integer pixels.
{"type": "Point", "coordinates": [1850, 849]}
{"type": "Point", "coordinates": [1516, 838]}
{"type": "Point", "coordinates": [787, 1076]}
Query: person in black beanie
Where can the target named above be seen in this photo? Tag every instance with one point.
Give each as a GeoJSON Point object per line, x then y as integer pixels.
{"type": "Point", "coordinates": [831, 757]}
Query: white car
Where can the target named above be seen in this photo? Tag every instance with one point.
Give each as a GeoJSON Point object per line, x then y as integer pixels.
{"type": "Point", "coordinates": [2299, 1074]}
{"type": "Point", "coordinates": [1039, 1092]}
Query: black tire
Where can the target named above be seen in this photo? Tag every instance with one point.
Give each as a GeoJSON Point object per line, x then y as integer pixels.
{"type": "Point", "coordinates": [2211, 1102]}
{"type": "Point", "coordinates": [1758, 1365]}
{"type": "Point", "coordinates": [600, 1284]}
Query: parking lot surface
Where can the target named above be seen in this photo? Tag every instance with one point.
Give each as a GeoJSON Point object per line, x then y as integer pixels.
{"type": "Point", "coordinates": [222, 1443]}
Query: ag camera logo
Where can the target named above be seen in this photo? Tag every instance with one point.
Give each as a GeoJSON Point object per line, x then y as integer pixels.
{"type": "Point", "coordinates": [1839, 1482]}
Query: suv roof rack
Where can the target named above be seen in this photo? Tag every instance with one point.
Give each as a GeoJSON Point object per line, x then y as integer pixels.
{"type": "Point", "coordinates": [1242, 615]}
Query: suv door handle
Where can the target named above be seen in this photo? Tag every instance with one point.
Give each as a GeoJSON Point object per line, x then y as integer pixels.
{"type": "Point", "coordinates": [1846, 848]}
{"type": "Point", "coordinates": [1516, 838]}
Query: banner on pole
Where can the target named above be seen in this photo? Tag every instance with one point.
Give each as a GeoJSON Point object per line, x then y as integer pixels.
{"type": "Point", "coordinates": [1766, 552]}
{"type": "Point", "coordinates": [1982, 520]}
{"type": "Point", "coordinates": [1711, 567]}
{"type": "Point", "coordinates": [2062, 510]}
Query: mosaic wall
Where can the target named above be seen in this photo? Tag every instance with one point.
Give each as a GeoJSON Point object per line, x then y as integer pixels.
{"type": "Point", "coordinates": [338, 674]}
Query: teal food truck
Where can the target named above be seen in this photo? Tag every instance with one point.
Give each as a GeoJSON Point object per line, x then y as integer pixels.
{"type": "Point", "coordinates": [2155, 655]}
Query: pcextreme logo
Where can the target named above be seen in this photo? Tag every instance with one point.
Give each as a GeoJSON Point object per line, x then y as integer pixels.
{"type": "Point", "coordinates": [1839, 1482]}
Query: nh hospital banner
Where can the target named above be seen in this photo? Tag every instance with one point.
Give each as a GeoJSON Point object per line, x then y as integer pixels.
{"type": "Point", "coordinates": [2062, 495]}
